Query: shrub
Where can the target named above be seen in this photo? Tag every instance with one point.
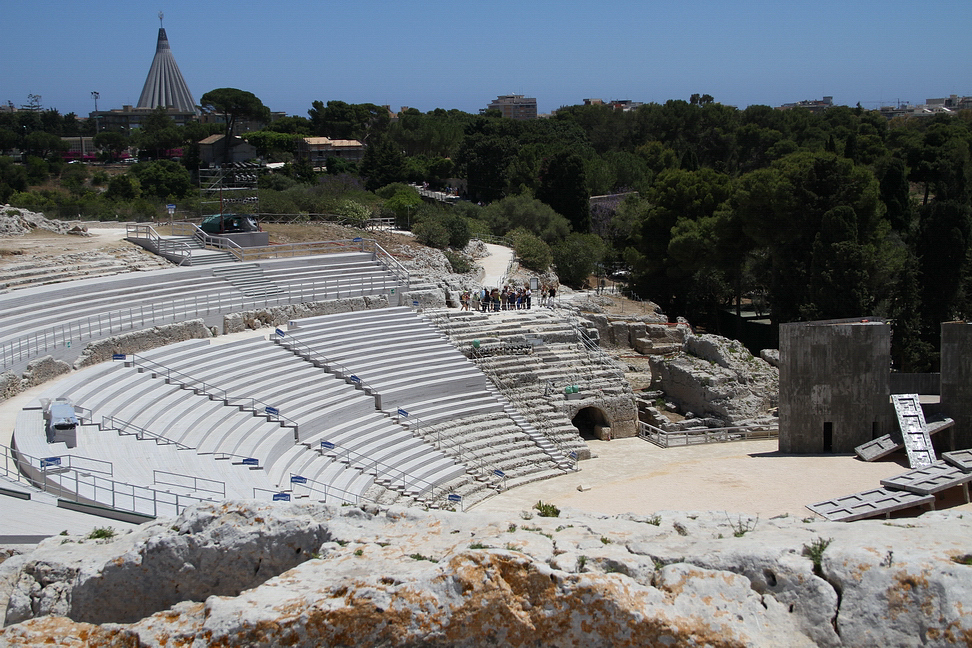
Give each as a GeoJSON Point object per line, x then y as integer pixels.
{"type": "Point", "coordinates": [460, 262]}
{"type": "Point", "coordinates": [815, 551]}
{"type": "Point", "coordinates": [432, 232]}
{"type": "Point", "coordinates": [532, 252]}
{"type": "Point", "coordinates": [546, 510]}
{"type": "Point", "coordinates": [101, 533]}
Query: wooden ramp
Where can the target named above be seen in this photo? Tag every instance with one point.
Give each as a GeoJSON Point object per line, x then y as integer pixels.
{"type": "Point", "coordinates": [911, 420]}
{"type": "Point", "coordinates": [932, 479]}
{"type": "Point", "coordinates": [885, 445]}
{"type": "Point", "coordinates": [869, 504]}
{"type": "Point", "coordinates": [961, 459]}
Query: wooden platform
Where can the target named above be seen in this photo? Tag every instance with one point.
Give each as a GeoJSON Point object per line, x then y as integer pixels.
{"type": "Point", "coordinates": [869, 504]}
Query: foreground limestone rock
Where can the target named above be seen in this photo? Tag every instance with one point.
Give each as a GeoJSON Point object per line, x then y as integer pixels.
{"type": "Point", "coordinates": [247, 573]}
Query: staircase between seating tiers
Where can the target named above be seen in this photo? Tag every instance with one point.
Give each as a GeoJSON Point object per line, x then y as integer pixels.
{"type": "Point", "coordinates": [249, 279]}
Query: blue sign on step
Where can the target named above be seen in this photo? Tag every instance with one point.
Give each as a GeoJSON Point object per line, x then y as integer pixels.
{"type": "Point", "coordinates": [327, 445]}
{"type": "Point", "coordinates": [250, 461]}
{"type": "Point", "coordinates": [50, 461]}
{"type": "Point", "coordinates": [281, 497]}
{"type": "Point", "coordinates": [272, 411]}
{"type": "Point", "coordinates": [455, 498]}
{"type": "Point", "coordinates": [297, 479]}
{"type": "Point", "coordinates": [279, 333]}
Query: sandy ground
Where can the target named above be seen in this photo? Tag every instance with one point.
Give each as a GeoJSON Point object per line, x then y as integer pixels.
{"type": "Point", "coordinates": [634, 476]}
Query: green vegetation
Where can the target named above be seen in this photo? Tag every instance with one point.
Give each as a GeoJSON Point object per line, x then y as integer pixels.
{"type": "Point", "coordinates": [546, 510]}
{"type": "Point", "coordinates": [418, 556]}
{"type": "Point", "coordinates": [815, 551]}
{"type": "Point", "coordinates": [794, 214]}
{"type": "Point", "coordinates": [102, 533]}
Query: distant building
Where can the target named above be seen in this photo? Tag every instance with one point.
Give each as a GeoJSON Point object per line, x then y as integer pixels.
{"type": "Point", "coordinates": [317, 149]}
{"type": "Point", "coordinates": [812, 105]}
{"type": "Point", "coordinates": [515, 106]}
{"type": "Point", "coordinates": [80, 148]}
{"type": "Point", "coordinates": [164, 86]}
{"type": "Point", "coordinates": [214, 151]}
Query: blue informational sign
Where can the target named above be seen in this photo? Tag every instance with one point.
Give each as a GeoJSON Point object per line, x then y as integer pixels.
{"type": "Point", "coordinates": [250, 461]}
{"type": "Point", "coordinates": [499, 473]}
{"type": "Point", "coordinates": [455, 498]}
{"type": "Point", "coordinates": [117, 356]}
{"type": "Point", "coordinates": [50, 461]}
{"type": "Point", "coordinates": [357, 239]}
{"type": "Point", "coordinates": [415, 303]}
{"type": "Point", "coordinates": [281, 497]}
{"type": "Point", "coordinates": [297, 479]}
{"type": "Point", "coordinates": [402, 412]}
{"type": "Point", "coordinates": [279, 333]}
{"type": "Point", "coordinates": [273, 411]}
{"type": "Point", "coordinates": [355, 379]}
{"type": "Point", "coordinates": [327, 445]}
{"type": "Point", "coordinates": [573, 455]}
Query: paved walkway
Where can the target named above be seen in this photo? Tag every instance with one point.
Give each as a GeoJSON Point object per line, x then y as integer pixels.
{"type": "Point", "coordinates": [495, 265]}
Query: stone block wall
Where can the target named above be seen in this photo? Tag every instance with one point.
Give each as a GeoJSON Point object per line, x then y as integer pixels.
{"type": "Point", "coordinates": [834, 384]}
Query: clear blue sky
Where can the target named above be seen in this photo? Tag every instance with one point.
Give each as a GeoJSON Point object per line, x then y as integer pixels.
{"type": "Point", "coordinates": [461, 55]}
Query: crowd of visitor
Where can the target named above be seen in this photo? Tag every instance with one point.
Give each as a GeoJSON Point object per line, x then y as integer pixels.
{"type": "Point", "coordinates": [507, 298]}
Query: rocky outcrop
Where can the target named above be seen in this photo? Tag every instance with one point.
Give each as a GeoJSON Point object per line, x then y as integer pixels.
{"type": "Point", "coordinates": [136, 341]}
{"type": "Point", "coordinates": [15, 221]}
{"type": "Point", "coordinates": [242, 574]}
{"type": "Point", "coordinates": [41, 370]}
{"type": "Point", "coordinates": [717, 377]}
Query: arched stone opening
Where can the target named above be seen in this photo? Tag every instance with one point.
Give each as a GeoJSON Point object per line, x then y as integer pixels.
{"type": "Point", "coordinates": [592, 423]}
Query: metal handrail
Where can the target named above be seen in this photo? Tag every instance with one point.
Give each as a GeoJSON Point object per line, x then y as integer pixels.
{"type": "Point", "coordinates": [118, 493]}
{"type": "Point", "coordinates": [121, 426]}
{"type": "Point", "coordinates": [213, 391]}
{"type": "Point", "coordinates": [325, 489]}
{"type": "Point", "coordinates": [196, 481]}
{"type": "Point", "coordinates": [185, 228]}
{"type": "Point", "coordinates": [387, 470]}
{"type": "Point", "coordinates": [95, 326]}
{"type": "Point", "coordinates": [320, 360]}
{"type": "Point", "coordinates": [137, 230]}
{"type": "Point", "coordinates": [699, 436]}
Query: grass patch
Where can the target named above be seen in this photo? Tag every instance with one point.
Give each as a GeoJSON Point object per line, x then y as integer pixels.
{"type": "Point", "coordinates": [963, 560]}
{"type": "Point", "coordinates": [102, 533]}
{"type": "Point", "coordinates": [418, 556]}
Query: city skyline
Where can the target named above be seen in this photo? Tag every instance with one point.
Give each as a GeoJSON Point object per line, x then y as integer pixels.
{"type": "Point", "coordinates": [440, 55]}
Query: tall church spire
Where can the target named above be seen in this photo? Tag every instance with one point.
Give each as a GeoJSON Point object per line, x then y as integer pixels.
{"type": "Point", "coordinates": [164, 85]}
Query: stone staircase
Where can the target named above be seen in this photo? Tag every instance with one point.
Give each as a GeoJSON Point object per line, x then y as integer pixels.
{"type": "Point", "coordinates": [249, 279]}
{"type": "Point", "coordinates": [201, 255]}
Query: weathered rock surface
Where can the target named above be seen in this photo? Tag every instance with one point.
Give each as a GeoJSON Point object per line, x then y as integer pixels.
{"type": "Point", "coordinates": [716, 376]}
{"type": "Point", "coordinates": [243, 574]}
{"type": "Point", "coordinates": [135, 341]}
{"type": "Point", "coordinates": [278, 315]}
{"type": "Point", "coordinates": [41, 370]}
{"type": "Point", "coordinates": [15, 221]}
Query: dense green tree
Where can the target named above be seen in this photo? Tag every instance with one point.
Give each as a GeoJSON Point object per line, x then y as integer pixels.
{"type": "Point", "coordinates": [339, 120]}
{"type": "Point", "coordinates": [13, 177]}
{"type": "Point", "coordinates": [382, 164]}
{"type": "Point", "coordinates": [563, 186]}
{"type": "Point", "coordinates": [577, 257]}
{"type": "Point", "coordinates": [163, 179]}
{"type": "Point", "coordinates": [235, 106]}
{"type": "Point", "coordinates": [527, 213]}
{"type": "Point", "coordinates": [112, 143]}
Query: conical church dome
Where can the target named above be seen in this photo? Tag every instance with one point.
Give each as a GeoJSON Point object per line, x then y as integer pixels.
{"type": "Point", "coordinates": [165, 85]}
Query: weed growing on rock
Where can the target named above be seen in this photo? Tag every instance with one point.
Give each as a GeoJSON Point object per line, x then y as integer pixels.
{"type": "Point", "coordinates": [418, 556]}
{"type": "Point", "coordinates": [526, 515]}
{"type": "Point", "coordinates": [581, 561]}
{"type": "Point", "coordinates": [807, 520]}
{"type": "Point", "coordinates": [64, 532]}
{"type": "Point", "coordinates": [546, 510]}
{"type": "Point", "coordinates": [511, 528]}
{"type": "Point", "coordinates": [815, 551]}
{"type": "Point", "coordinates": [963, 560]}
{"type": "Point", "coordinates": [605, 540]}
{"type": "Point", "coordinates": [511, 547]}
{"type": "Point", "coordinates": [478, 545]}
{"type": "Point", "coordinates": [359, 552]}
{"type": "Point", "coordinates": [101, 533]}
{"type": "Point", "coordinates": [741, 527]}
{"type": "Point", "coordinates": [654, 520]}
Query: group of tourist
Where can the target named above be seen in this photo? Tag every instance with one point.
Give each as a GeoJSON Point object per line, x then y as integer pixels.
{"type": "Point", "coordinates": [509, 298]}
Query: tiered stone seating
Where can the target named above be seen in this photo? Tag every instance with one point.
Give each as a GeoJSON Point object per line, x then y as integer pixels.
{"type": "Point", "coordinates": [401, 358]}
{"type": "Point", "coordinates": [95, 308]}
{"type": "Point", "coordinates": [324, 407]}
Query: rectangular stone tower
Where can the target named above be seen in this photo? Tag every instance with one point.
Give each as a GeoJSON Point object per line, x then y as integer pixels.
{"type": "Point", "coordinates": [957, 381]}
{"type": "Point", "coordinates": [834, 384]}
